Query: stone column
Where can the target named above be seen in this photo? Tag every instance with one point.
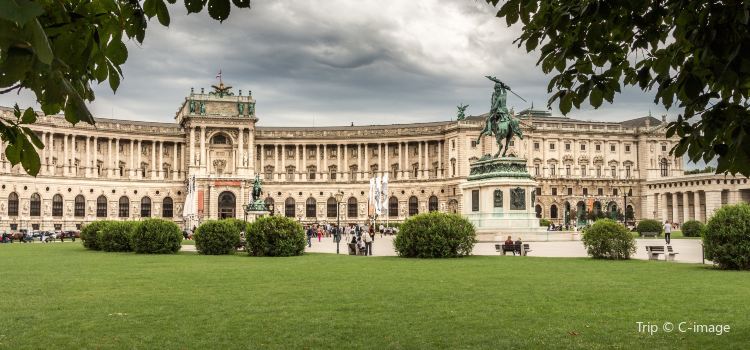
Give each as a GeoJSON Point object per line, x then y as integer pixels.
{"type": "Point", "coordinates": [664, 208]}
{"type": "Point", "coordinates": [250, 147]}
{"type": "Point", "coordinates": [339, 174]}
{"type": "Point", "coordinates": [324, 170]}
{"type": "Point", "coordinates": [275, 160]}
{"type": "Point", "coordinates": [138, 152]}
{"type": "Point", "coordinates": [87, 165]}
{"type": "Point", "coordinates": [420, 167]}
{"type": "Point", "coordinates": [108, 170]}
{"type": "Point", "coordinates": [440, 159]}
{"type": "Point", "coordinates": [66, 168]}
{"type": "Point", "coordinates": [95, 153]}
{"type": "Point", "coordinates": [117, 158]}
{"type": "Point", "coordinates": [400, 163]}
{"type": "Point", "coordinates": [240, 153]}
{"type": "Point", "coordinates": [407, 166]}
{"type": "Point", "coordinates": [426, 171]}
{"type": "Point", "coordinates": [282, 171]}
{"type": "Point", "coordinates": [359, 161]}
{"type": "Point", "coordinates": [303, 163]}
{"type": "Point", "coordinates": [686, 207]}
{"type": "Point", "coordinates": [191, 142]}
{"type": "Point", "coordinates": [203, 149]}
{"type": "Point", "coordinates": [159, 165]}
{"type": "Point", "coordinates": [131, 161]}
{"type": "Point", "coordinates": [367, 161]}
{"type": "Point", "coordinates": [262, 160]}
{"type": "Point", "coordinates": [676, 208]}
{"type": "Point", "coordinates": [346, 164]}
{"type": "Point", "coordinates": [183, 170]}
{"type": "Point", "coordinates": [380, 158]}
{"type": "Point", "coordinates": [50, 153]}
{"type": "Point", "coordinates": [73, 154]}
{"type": "Point", "coordinates": [387, 165]}
{"type": "Point", "coordinates": [713, 202]}
{"type": "Point", "coordinates": [697, 207]}
{"type": "Point", "coordinates": [174, 162]}
{"type": "Point", "coordinates": [153, 160]}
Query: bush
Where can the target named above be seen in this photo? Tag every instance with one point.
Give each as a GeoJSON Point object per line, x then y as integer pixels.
{"type": "Point", "coordinates": [435, 235]}
{"type": "Point", "coordinates": [275, 236]}
{"type": "Point", "coordinates": [544, 223]}
{"type": "Point", "coordinates": [241, 225]}
{"type": "Point", "coordinates": [216, 237]}
{"type": "Point", "coordinates": [89, 234]}
{"type": "Point", "coordinates": [115, 236]}
{"type": "Point", "coordinates": [727, 237]}
{"type": "Point", "coordinates": [649, 225]}
{"type": "Point", "coordinates": [692, 228]}
{"type": "Point", "coordinates": [157, 236]}
{"type": "Point", "coordinates": [608, 239]}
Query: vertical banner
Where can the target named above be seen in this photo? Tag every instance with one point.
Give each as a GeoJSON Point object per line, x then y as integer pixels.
{"type": "Point", "coordinates": [384, 195]}
{"type": "Point", "coordinates": [370, 198]}
{"type": "Point", "coordinates": [378, 193]}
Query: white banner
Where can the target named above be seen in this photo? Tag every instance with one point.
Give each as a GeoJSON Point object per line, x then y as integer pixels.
{"type": "Point", "coordinates": [378, 193]}
{"type": "Point", "coordinates": [371, 198]}
{"type": "Point", "coordinates": [384, 195]}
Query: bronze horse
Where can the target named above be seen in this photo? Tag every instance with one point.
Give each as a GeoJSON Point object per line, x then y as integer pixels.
{"type": "Point", "coordinates": [502, 128]}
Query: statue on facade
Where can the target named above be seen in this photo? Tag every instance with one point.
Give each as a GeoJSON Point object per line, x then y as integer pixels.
{"type": "Point", "coordinates": [203, 108]}
{"type": "Point", "coordinates": [499, 121]}
{"type": "Point", "coordinates": [251, 108]}
{"type": "Point", "coordinates": [461, 111]}
{"type": "Point", "coordinates": [241, 108]}
{"type": "Point", "coordinates": [192, 106]}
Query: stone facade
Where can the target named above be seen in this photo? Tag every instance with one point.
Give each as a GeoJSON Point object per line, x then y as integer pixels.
{"type": "Point", "coordinates": [131, 169]}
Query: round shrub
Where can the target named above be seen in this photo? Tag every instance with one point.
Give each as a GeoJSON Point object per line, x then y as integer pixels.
{"type": "Point", "coordinates": [116, 236]}
{"type": "Point", "coordinates": [727, 237]}
{"type": "Point", "coordinates": [157, 236]}
{"type": "Point", "coordinates": [435, 235]}
{"type": "Point", "coordinates": [89, 234]}
{"type": "Point", "coordinates": [216, 237]}
{"type": "Point", "coordinates": [608, 239]}
{"type": "Point", "coordinates": [241, 225]}
{"type": "Point", "coordinates": [544, 223]}
{"type": "Point", "coordinates": [692, 228]}
{"type": "Point", "coordinates": [275, 236]}
{"type": "Point", "coordinates": [649, 225]}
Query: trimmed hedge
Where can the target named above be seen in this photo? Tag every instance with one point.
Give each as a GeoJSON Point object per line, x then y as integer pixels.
{"type": "Point", "coordinates": [649, 225]}
{"type": "Point", "coordinates": [727, 237]}
{"type": "Point", "coordinates": [275, 236]}
{"type": "Point", "coordinates": [89, 234]}
{"type": "Point", "coordinates": [608, 239]}
{"type": "Point", "coordinates": [544, 223]}
{"type": "Point", "coordinates": [115, 236]}
{"type": "Point", "coordinates": [157, 236]}
{"type": "Point", "coordinates": [216, 237]}
{"type": "Point", "coordinates": [692, 228]}
{"type": "Point", "coordinates": [435, 235]}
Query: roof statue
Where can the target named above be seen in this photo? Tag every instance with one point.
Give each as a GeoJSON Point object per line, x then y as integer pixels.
{"type": "Point", "coordinates": [221, 90]}
{"type": "Point", "coordinates": [461, 111]}
{"type": "Point", "coordinates": [499, 121]}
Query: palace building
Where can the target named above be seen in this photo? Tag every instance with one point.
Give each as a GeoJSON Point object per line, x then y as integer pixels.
{"type": "Point", "coordinates": [123, 169]}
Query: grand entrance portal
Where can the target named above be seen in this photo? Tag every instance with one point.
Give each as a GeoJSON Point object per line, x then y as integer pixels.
{"type": "Point", "coordinates": [227, 205]}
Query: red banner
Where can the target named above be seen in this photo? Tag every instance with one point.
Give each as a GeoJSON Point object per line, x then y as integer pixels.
{"type": "Point", "coordinates": [200, 202]}
{"type": "Point", "coordinates": [227, 183]}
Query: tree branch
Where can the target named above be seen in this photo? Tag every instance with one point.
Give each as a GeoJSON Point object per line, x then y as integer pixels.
{"type": "Point", "coordinates": [17, 86]}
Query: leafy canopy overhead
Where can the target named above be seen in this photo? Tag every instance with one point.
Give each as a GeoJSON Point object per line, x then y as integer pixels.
{"type": "Point", "coordinates": [57, 48]}
{"type": "Point", "coordinates": [694, 53]}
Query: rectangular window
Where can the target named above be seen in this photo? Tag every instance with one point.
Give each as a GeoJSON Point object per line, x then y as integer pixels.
{"type": "Point", "coordinates": [552, 170]}
{"type": "Point", "coordinates": [598, 147]}
{"type": "Point", "coordinates": [538, 191]}
{"type": "Point", "coordinates": [453, 144]}
{"type": "Point", "coordinates": [598, 171]}
{"type": "Point", "coordinates": [475, 200]}
{"type": "Point", "coordinates": [627, 171]}
{"type": "Point", "coordinates": [552, 146]}
{"type": "Point", "coordinates": [583, 147]}
{"type": "Point", "coordinates": [311, 174]}
{"type": "Point", "coordinates": [567, 147]}
{"type": "Point", "coordinates": [536, 169]}
{"type": "Point", "coordinates": [585, 191]}
{"type": "Point", "coordinates": [614, 191]}
{"type": "Point", "coordinates": [612, 147]}
{"type": "Point", "coordinates": [567, 170]}
{"type": "Point", "coordinates": [627, 148]}
{"type": "Point", "coordinates": [583, 171]}
{"type": "Point", "coordinates": [35, 227]}
{"type": "Point", "coordinates": [663, 148]}
{"type": "Point", "coordinates": [554, 191]}
{"type": "Point", "coordinates": [536, 146]}
{"type": "Point", "coordinates": [570, 191]}
{"type": "Point", "coordinates": [614, 171]}
{"type": "Point", "coordinates": [599, 191]}
{"type": "Point", "coordinates": [473, 144]}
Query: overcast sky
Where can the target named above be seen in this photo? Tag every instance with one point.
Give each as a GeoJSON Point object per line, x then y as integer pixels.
{"type": "Point", "coordinates": [335, 62]}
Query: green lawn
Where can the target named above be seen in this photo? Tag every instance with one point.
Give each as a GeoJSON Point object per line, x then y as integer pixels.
{"type": "Point", "coordinates": [675, 235]}
{"type": "Point", "coordinates": [188, 242]}
{"type": "Point", "coordinates": [60, 296]}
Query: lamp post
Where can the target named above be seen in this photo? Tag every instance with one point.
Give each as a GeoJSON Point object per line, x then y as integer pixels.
{"type": "Point", "coordinates": [337, 236]}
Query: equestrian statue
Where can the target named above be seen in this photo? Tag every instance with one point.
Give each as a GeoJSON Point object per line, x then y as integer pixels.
{"type": "Point", "coordinates": [499, 122]}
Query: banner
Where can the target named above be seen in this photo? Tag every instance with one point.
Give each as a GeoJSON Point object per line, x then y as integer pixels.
{"type": "Point", "coordinates": [378, 193]}
{"type": "Point", "coordinates": [371, 198]}
{"type": "Point", "coordinates": [384, 194]}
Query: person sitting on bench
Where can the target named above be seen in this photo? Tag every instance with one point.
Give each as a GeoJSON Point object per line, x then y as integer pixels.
{"type": "Point", "coordinates": [519, 244]}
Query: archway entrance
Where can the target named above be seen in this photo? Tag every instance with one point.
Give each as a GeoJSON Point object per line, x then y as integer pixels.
{"type": "Point", "coordinates": [227, 204]}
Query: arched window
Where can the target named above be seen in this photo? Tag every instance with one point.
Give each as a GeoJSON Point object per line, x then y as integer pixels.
{"type": "Point", "coordinates": [351, 207]}
{"type": "Point", "coordinates": [79, 209]}
{"type": "Point", "coordinates": [289, 207]}
{"type": "Point", "coordinates": [553, 211]}
{"type": "Point", "coordinates": [433, 203]}
{"type": "Point", "coordinates": [453, 206]}
{"type": "Point", "coordinates": [145, 207]}
{"type": "Point", "coordinates": [36, 205]}
{"type": "Point", "coordinates": [166, 208]}
{"type": "Point", "coordinates": [101, 207]}
{"type": "Point", "coordinates": [393, 207]}
{"type": "Point", "coordinates": [123, 207]}
{"type": "Point", "coordinates": [310, 208]}
{"type": "Point", "coordinates": [413, 205]}
{"type": "Point", "coordinates": [219, 139]}
{"type": "Point", "coordinates": [538, 209]}
{"type": "Point", "coordinates": [57, 205]}
{"type": "Point", "coordinates": [270, 205]}
{"type": "Point", "coordinates": [597, 207]}
{"type": "Point", "coordinates": [331, 207]}
{"type": "Point", "coordinates": [664, 167]}
{"type": "Point", "coordinates": [13, 204]}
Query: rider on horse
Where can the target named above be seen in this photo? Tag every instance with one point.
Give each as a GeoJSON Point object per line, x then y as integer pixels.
{"type": "Point", "coordinates": [499, 121]}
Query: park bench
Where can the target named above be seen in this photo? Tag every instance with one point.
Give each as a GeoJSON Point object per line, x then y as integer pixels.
{"type": "Point", "coordinates": [503, 248]}
{"type": "Point", "coordinates": [649, 234]}
{"type": "Point", "coordinates": [670, 253]}
{"type": "Point", "coordinates": [653, 251]}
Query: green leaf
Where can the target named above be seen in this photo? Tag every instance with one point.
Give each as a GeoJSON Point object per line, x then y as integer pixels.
{"type": "Point", "coordinates": [195, 6]}
{"type": "Point", "coordinates": [29, 116]}
{"type": "Point", "coordinates": [596, 98]}
{"type": "Point", "coordinates": [13, 153]}
{"type": "Point", "coordinates": [34, 138]}
{"type": "Point", "coordinates": [20, 11]}
{"type": "Point", "coordinates": [566, 103]}
{"type": "Point", "coordinates": [114, 78]}
{"type": "Point", "coordinates": [219, 9]}
{"type": "Point", "coordinates": [162, 13]}
{"type": "Point", "coordinates": [241, 3]}
{"type": "Point", "coordinates": [30, 159]}
{"type": "Point", "coordinates": [116, 52]}
{"type": "Point", "coordinates": [40, 43]}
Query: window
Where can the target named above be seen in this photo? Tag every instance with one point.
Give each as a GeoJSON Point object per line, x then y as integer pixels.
{"type": "Point", "coordinates": [612, 147]}
{"type": "Point", "coordinates": [614, 191]}
{"type": "Point", "coordinates": [583, 147]}
{"type": "Point", "coordinates": [551, 146]}
{"type": "Point", "coordinates": [80, 206]}
{"type": "Point", "coordinates": [332, 171]}
{"type": "Point", "coordinates": [567, 146]}
{"type": "Point", "coordinates": [414, 205]}
{"type": "Point", "coordinates": [219, 140]}
{"type": "Point", "coordinates": [101, 207]}
{"type": "Point", "coordinates": [393, 207]}
{"type": "Point", "coordinates": [570, 191]}
{"type": "Point", "coordinates": [145, 207]}
{"type": "Point", "coordinates": [123, 210]}
{"type": "Point", "coordinates": [664, 167]}
{"type": "Point", "coordinates": [311, 173]}
{"type": "Point", "coordinates": [554, 191]}
{"type": "Point", "coordinates": [331, 207]}
{"type": "Point", "coordinates": [536, 169]}
{"type": "Point", "coordinates": [583, 170]}
{"type": "Point", "coordinates": [416, 170]}
{"type": "Point", "coordinates": [627, 171]}
{"type": "Point", "coordinates": [353, 172]}
{"type": "Point", "coordinates": [585, 191]}
{"type": "Point", "coordinates": [553, 211]}
{"type": "Point", "coordinates": [432, 203]}
{"type": "Point", "coordinates": [598, 147]}
{"type": "Point", "coordinates": [290, 173]}
{"type": "Point", "coordinates": [13, 204]}
{"type": "Point", "coordinates": [663, 147]}
{"type": "Point", "coordinates": [567, 170]}
{"type": "Point", "coordinates": [351, 207]}
{"type": "Point", "coordinates": [614, 171]}
{"type": "Point", "coordinates": [599, 191]}
{"type": "Point", "coordinates": [268, 170]}
{"type": "Point", "coordinates": [310, 208]}
{"type": "Point", "coordinates": [552, 169]}
{"type": "Point", "coordinates": [166, 208]}
{"type": "Point", "coordinates": [289, 207]}
{"type": "Point", "coordinates": [57, 205]}
{"type": "Point", "coordinates": [269, 152]}
{"type": "Point", "coordinates": [36, 205]}
{"type": "Point", "coordinates": [598, 171]}
{"type": "Point", "coordinates": [473, 144]}
{"type": "Point", "coordinates": [536, 146]}
{"type": "Point", "coordinates": [453, 144]}
{"type": "Point", "coordinates": [290, 153]}
{"type": "Point", "coordinates": [538, 191]}
{"type": "Point", "coordinates": [627, 148]}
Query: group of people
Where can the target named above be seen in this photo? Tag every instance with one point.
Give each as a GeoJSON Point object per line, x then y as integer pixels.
{"type": "Point", "coordinates": [361, 236]}
{"type": "Point", "coordinates": [517, 245]}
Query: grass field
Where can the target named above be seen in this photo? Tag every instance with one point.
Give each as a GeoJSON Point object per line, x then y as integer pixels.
{"type": "Point", "coordinates": [60, 296]}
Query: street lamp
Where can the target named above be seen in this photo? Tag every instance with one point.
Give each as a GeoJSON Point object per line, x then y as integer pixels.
{"type": "Point", "coordinates": [337, 236]}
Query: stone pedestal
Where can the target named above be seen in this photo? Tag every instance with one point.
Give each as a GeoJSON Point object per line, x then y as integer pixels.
{"type": "Point", "coordinates": [499, 199]}
{"type": "Point", "coordinates": [254, 214]}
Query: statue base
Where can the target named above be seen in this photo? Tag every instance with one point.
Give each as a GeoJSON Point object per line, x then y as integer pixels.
{"type": "Point", "coordinates": [499, 199]}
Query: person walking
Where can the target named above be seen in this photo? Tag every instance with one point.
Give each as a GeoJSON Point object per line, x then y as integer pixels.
{"type": "Point", "coordinates": [320, 233]}
{"type": "Point", "coordinates": [667, 231]}
{"type": "Point", "coordinates": [309, 236]}
{"type": "Point", "coordinates": [367, 238]}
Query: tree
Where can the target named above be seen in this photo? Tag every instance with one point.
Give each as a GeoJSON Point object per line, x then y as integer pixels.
{"type": "Point", "coordinates": [694, 53]}
{"type": "Point", "coordinates": [57, 48]}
